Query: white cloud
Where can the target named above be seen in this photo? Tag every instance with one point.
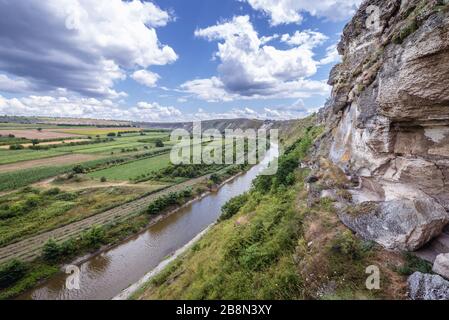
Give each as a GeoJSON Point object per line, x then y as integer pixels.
{"type": "Point", "coordinates": [250, 69]}
{"type": "Point", "coordinates": [307, 38]}
{"type": "Point", "coordinates": [147, 78]}
{"type": "Point", "coordinates": [270, 113]}
{"type": "Point", "coordinates": [211, 90]}
{"type": "Point", "coordinates": [86, 108]}
{"type": "Point", "coordinates": [291, 11]}
{"type": "Point", "coordinates": [13, 85]}
{"type": "Point", "coordinates": [80, 45]}
{"type": "Point", "coordinates": [332, 56]}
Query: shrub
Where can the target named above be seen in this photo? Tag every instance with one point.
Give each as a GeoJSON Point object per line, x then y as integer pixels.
{"type": "Point", "coordinates": [11, 272]}
{"type": "Point", "coordinates": [66, 196]}
{"type": "Point", "coordinates": [16, 147]}
{"type": "Point", "coordinates": [52, 251]}
{"type": "Point", "coordinates": [111, 134]}
{"type": "Point", "coordinates": [103, 179]}
{"type": "Point", "coordinates": [78, 169]}
{"type": "Point", "coordinates": [215, 178]}
{"type": "Point", "coordinates": [413, 264]}
{"type": "Point", "coordinates": [32, 201]}
{"type": "Point", "coordinates": [95, 237]}
{"type": "Point", "coordinates": [159, 143]}
{"type": "Point", "coordinates": [233, 206]}
{"type": "Point", "coordinates": [52, 192]}
{"type": "Point", "coordinates": [169, 200]}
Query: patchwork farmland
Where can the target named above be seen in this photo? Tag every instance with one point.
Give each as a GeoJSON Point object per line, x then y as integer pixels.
{"type": "Point", "coordinates": [59, 182]}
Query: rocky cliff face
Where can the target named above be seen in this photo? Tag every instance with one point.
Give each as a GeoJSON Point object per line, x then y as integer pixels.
{"type": "Point", "coordinates": [388, 121]}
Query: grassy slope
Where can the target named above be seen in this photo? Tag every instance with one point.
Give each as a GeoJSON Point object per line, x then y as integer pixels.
{"type": "Point", "coordinates": [278, 248]}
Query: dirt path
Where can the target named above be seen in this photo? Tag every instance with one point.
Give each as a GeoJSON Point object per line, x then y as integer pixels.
{"type": "Point", "coordinates": [30, 248]}
{"type": "Point", "coordinates": [46, 162]}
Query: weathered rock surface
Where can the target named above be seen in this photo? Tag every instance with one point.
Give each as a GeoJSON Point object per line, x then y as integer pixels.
{"type": "Point", "coordinates": [428, 287]}
{"type": "Point", "coordinates": [388, 120]}
{"type": "Point", "coordinates": [441, 265]}
{"type": "Point", "coordinates": [418, 222]}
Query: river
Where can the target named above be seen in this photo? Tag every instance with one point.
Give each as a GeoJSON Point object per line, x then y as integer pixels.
{"type": "Point", "coordinates": [106, 275]}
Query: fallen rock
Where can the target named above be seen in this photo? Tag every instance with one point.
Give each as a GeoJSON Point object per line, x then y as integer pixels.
{"type": "Point", "coordinates": [441, 265]}
{"type": "Point", "coordinates": [428, 287]}
{"type": "Point", "coordinates": [398, 224]}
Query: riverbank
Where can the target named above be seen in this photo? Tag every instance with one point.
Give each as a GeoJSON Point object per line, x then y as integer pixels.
{"type": "Point", "coordinates": [113, 234]}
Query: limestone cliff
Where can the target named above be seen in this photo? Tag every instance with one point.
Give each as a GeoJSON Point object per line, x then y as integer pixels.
{"type": "Point", "coordinates": [388, 121]}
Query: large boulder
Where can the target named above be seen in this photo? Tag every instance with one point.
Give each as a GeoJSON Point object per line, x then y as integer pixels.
{"type": "Point", "coordinates": [428, 287]}
{"type": "Point", "coordinates": [398, 224]}
{"type": "Point", "coordinates": [441, 265]}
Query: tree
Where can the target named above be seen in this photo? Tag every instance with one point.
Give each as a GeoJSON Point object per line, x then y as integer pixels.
{"type": "Point", "coordinates": [78, 169]}
{"type": "Point", "coordinates": [11, 272]}
{"type": "Point", "coordinates": [51, 251]}
{"type": "Point", "coordinates": [215, 178]}
{"type": "Point", "coordinates": [16, 147]}
{"type": "Point", "coordinates": [111, 134]}
{"type": "Point", "coordinates": [159, 143]}
{"type": "Point", "coordinates": [35, 142]}
{"type": "Point", "coordinates": [39, 129]}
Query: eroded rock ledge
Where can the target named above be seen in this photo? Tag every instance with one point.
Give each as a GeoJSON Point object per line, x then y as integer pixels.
{"type": "Point", "coordinates": [388, 122]}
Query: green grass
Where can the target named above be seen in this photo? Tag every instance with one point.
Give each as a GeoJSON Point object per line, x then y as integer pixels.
{"type": "Point", "coordinates": [22, 178]}
{"type": "Point", "coordinates": [10, 156]}
{"type": "Point", "coordinates": [115, 146]}
{"type": "Point", "coordinates": [29, 212]}
{"type": "Point", "coordinates": [97, 131]}
{"type": "Point", "coordinates": [248, 261]}
{"type": "Point", "coordinates": [37, 272]}
{"type": "Point", "coordinates": [132, 170]}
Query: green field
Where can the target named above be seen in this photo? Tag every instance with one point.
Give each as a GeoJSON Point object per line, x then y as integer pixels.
{"type": "Point", "coordinates": [133, 170]}
{"type": "Point", "coordinates": [10, 156]}
{"type": "Point", "coordinates": [113, 146]}
{"type": "Point", "coordinates": [127, 142]}
{"type": "Point", "coordinates": [97, 131]}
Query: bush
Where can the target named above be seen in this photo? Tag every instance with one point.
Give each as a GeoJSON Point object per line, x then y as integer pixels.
{"type": "Point", "coordinates": [414, 264]}
{"type": "Point", "coordinates": [103, 179]}
{"type": "Point", "coordinates": [16, 147]}
{"type": "Point", "coordinates": [11, 272]}
{"type": "Point", "coordinates": [95, 237]}
{"type": "Point", "coordinates": [78, 169]}
{"type": "Point", "coordinates": [169, 200]}
{"type": "Point", "coordinates": [233, 206]}
{"type": "Point", "coordinates": [111, 134]}
{"type": "Point", "coordinates": [159, 143]}
{"type": "Point", "coordinates": [52, 192]}
{"type": "Point", "coordinates": [215, 178]}
{"type": "Point", "coordinates": [52, 251]}
{"type": "Point", "coordinates": [66, 196]}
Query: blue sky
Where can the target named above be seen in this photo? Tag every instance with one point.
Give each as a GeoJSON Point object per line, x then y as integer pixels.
{"type": "Point", "coordinates": [168, 60]}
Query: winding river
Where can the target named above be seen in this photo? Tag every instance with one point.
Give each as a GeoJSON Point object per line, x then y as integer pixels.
{"type": "Point", "coordinates": [106, 275]}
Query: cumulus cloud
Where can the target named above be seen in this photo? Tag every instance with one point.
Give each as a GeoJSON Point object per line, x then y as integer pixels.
{"type": "Point", "coordinates": [332, 56]}
{"type": "Point", "coordinates": [81, 45]}
{"type": "Point", "coordinates": [291, 11]}
{"type": "Point", "coordinates": [294, 111]}
{"type": "Point", "coordinates": [307, 38]}
{"type": "Point", "coordinates": [50, 106]}
{"type": "Point", "coordinates": [146, 78]}
{"type": "Point", "coordinates": [251, 69]}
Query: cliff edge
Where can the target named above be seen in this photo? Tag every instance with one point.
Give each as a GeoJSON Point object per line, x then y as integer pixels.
{"type": "Point", "coordinates": [388, 122]}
